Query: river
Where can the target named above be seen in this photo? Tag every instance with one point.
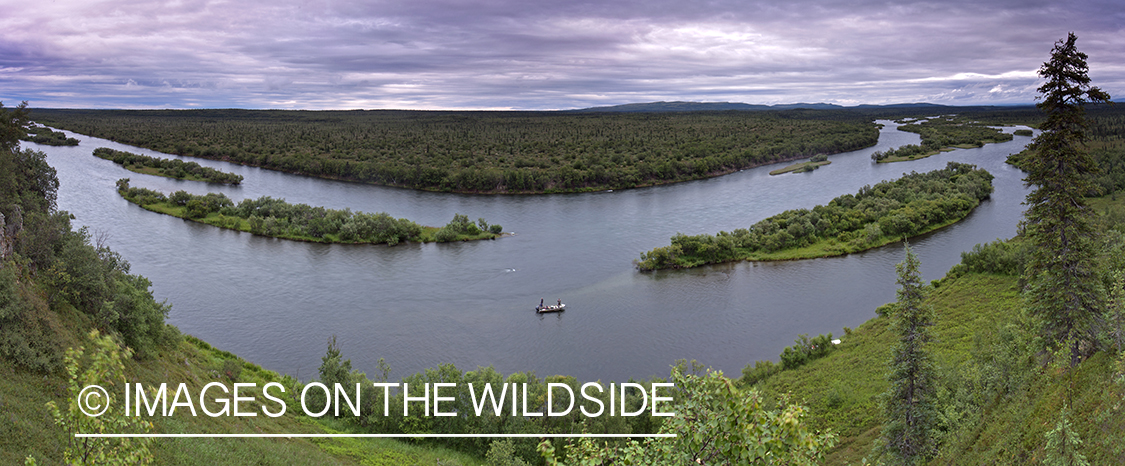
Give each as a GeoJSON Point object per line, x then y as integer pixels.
{"type": "Point", "coordinates": [276, 302]}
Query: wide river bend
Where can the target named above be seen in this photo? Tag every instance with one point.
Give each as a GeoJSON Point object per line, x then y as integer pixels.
{"type": "Point", "coordinates": [276, 302]}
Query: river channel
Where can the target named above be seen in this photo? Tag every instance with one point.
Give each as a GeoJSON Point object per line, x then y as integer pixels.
{"type": "Point", "coordinates": [276, 302]}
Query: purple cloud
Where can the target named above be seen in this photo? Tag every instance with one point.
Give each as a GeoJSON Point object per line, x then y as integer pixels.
{"type": "Point", "coordinates": [540, 54]}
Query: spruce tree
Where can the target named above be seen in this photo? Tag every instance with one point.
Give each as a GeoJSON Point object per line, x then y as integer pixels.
{"type": "Point", "coordinates": [1063, 291]}
{"type": "Point", "coordinates": [909, 405]}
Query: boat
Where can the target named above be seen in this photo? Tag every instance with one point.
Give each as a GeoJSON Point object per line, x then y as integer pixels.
{"type": "Point", "coordinates": [552, 308]}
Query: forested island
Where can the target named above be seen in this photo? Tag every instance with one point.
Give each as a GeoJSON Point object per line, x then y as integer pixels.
{"type": "Point", "coordinates": [876, 215]}
{"type": "Point", "coordinates": [813, 163]}
{"type": "Point", "coordinates": [47, 136]}
{"type": "Point", "coordinates": [168, 168]}
{"type": "Point", "coordinates": [276, 218]}
{"type": "Point", "coordinates": [941, 134]}
{"type": "Point", "coordinates": [484, 152]}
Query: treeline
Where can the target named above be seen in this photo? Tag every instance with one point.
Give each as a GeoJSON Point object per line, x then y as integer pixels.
{"type": "Point", "coordinates": [267, 216]}
{"type": "Point", "coordinates": [44, 135]}
{"type": "Point", "coordinates": [171, 168]}
{"type": "Point", "coordinates": [956, 131]}
{"type": "Point", "coordinates": [489, 152]}
{"type": "Point", "coordinates": [876, 215]}
{"type": "Point", "coordinates": [1106, 129]}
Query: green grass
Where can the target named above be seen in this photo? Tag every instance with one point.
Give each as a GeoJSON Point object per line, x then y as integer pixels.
{"type": "Point", "coordinates": [800, 167]}
{"type": "Point", "coordinates": [27, 428]}
{"type": "Point", "coordinates": [922, 156]}
{"type": "Point", "coordinates": [842, 390]}
{"type": "Point", "coordinates": [158, 172]}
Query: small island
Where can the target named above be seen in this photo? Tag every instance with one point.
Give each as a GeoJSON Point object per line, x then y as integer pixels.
{"type": "Point", "coordinates": [168, 168]}
{"type": "Point", "coordinates": [890, 211]}
{"type": "Point", "coordinates": [801, 167]}
{"type": "Point", "coordinates": [941, 134]}
{"type": "Point", "coordinates": [47, 136]}
{"type": "Point", "coordinates": [276, 218]}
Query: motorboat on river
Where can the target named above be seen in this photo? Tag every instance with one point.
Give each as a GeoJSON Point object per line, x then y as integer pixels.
{"type": "Point", "coordinates": [552, 308]}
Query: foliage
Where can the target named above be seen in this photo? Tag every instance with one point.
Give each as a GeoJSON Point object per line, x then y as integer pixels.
{"type": "Point", "coordinates": [888, 211]}
{"type": "Point", "coordinates": [102, 367]}
{"type": "Point", "coordinates": [954, 131]}
{"type": "Point", "coordinates": [268, 216]}
{"type": "Point", "coordinates": [805, 350]}
{"type": "Point", "coordinates": [44, 135]}
{"type": "Point", "coordinates": [1115, 312]}
{"type": "Point", "coordinates": [495, 152]}
{"type": "Point", "coordinates": [909, 404]}
{"type": "Point", "coordinates": [998, 257]}
{"type": "Point", "coordinates": [716, 423]}
{"type": "Point", "coordinates": [1063, 292]}
{"type": "Point", "coordinates": [26, 333]}
{"type": "Point", "coordinates": [171, 168]}
{"type": "Point", "coordinates": [908, 151]}
{"type": "Point", "coordinates": [1063, 444]}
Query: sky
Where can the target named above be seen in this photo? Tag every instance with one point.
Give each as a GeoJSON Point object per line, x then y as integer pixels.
{"type": "Point", "coordinates": [541, 54]}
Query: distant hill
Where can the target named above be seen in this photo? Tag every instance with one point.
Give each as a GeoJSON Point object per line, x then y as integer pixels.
{"type": "Point", "coordinates": [700, 106]}
{"type": "Point", "coordinates": [680, 106]}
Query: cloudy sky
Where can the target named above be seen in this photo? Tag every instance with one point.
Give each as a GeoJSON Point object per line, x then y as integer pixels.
{"type": "Point", "coordinates": [541, 54]}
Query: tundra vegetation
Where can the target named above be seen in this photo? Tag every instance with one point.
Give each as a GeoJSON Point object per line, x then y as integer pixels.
{"type": "Point", "coordinates": [944, 133]}
{"type": "Point", "coordinates": [47, 136]}
{"type": "Point", "coordinates": [1004, 384]}
{"type": "Point", "coordinates": [876, 215]}
{"type": "Point", "coordinates": [168, 168]}
{"type": "Point", "coordinates": [483, 152]}
{"type": "Point", "coordinates": [276, 218]}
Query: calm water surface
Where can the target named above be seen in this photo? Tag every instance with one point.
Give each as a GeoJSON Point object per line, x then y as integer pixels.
{"type": "Point", "coordinates": [277, 302]}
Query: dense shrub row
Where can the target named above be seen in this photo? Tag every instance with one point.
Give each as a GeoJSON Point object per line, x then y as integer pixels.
{"type": "Point", "coordinates": [45, 135]}
{"type": "Point", "coordinates": [890, 209]}
{"type": "Point", "coordinates": [171, 168]}
{"type": "Point", "coordinates": [268, 216]}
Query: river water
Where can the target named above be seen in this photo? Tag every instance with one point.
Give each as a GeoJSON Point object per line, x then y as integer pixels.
{"type": "Point", "coordinates": [276, 302]}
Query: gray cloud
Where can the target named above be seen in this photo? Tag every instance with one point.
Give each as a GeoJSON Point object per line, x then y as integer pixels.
{"type": "Point", "coordinates": [535, 54]}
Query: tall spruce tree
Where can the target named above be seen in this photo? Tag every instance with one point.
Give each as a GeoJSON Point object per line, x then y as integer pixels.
{"type": "Point", "coordinates": [1063, 292]}
{"type": "Point", "coordinates": [909, 405]}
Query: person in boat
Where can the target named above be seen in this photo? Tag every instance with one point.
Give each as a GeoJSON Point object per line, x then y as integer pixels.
{"type": "Point", "coordinates": [540, 303]}
{"type": "Point", "coordinates": [560, 302]}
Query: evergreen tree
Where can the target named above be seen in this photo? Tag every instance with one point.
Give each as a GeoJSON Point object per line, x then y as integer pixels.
{"type": "Point", "coordinates": [1063, 291]}
{"type": "Point", "coordinates": [909, 404]}
{"type": "Point", "coordinates": [1063, 443]}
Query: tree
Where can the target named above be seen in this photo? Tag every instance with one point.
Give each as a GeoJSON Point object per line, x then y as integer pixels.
{"type": "Point", "coordinates": [909, 403]}
{"type": "Point", "coordinates": [1063, 443]}
{"type": "Point", "coordinates": [1062, 289]}
{"type": "Point", "coordinates": [100, 366]}
{"type": "Point", "coordinates": [715, 423]}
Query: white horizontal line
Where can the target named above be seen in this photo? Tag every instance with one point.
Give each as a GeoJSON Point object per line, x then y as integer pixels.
{"type": "Point", "coordinates": [374, 435]}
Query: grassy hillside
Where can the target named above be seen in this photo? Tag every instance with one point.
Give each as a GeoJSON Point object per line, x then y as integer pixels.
{"type": "Point", "coordinates": [979, 331]}
{"type": "Point", "coordinates": [29, 429]}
